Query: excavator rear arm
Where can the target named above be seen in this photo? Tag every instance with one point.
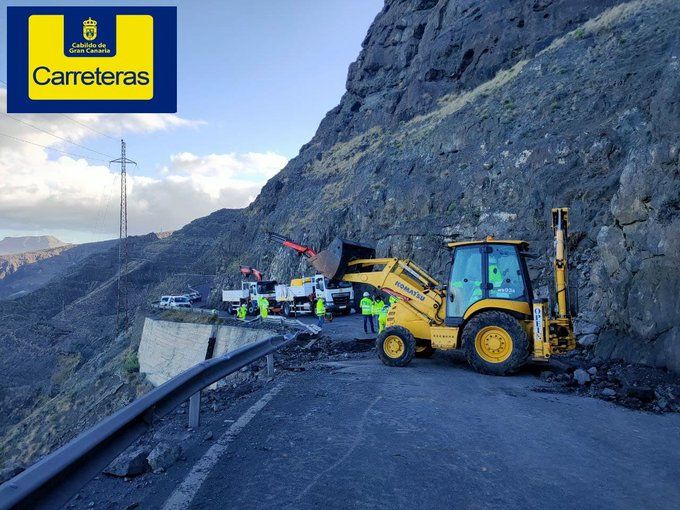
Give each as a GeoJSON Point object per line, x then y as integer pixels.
{"type": "Point", "coordinates": [560, 223]}
{"type": "Point", "coordinates": [403, 279]}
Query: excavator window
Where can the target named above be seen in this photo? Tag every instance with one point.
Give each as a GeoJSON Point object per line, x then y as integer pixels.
{"type": "Point", "coordinates": [465, 284]}
{"type": "Point", "coordinates": [483, 271]}
{"type": "Point", "coordinates": [505, 273]}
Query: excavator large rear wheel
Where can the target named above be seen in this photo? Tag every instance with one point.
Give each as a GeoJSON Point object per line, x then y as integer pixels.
{"type": "Point", "coordinates": [396, 346]}
{"type": "Point", "coordinates": [495, 343]}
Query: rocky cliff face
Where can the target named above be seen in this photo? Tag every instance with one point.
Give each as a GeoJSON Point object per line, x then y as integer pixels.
{"type": "Point", "coordinates": [461, 119]}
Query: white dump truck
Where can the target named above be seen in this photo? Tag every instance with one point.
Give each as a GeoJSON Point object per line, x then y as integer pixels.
{"type": "Point", "coordinates": [249, 294]}
{"type": "Point", "coordinates": [299, 296]}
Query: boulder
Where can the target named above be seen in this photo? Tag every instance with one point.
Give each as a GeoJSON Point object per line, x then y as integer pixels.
{"type": "Point", "coordinates": [163, 456]}
{"type": "Point", "coordinates": [129, 463]}
{"type": "Point", "coordinates": [581, 376]}
{"type": "Point", "coordinates": [582, 328]}
{"type": "Point", "coordinates": [587, 340]}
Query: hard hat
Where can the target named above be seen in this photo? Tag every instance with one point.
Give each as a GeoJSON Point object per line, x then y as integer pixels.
{"type": "Point", "coordinates": [366, 294]}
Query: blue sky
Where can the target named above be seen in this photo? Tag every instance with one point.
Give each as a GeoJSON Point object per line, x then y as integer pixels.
{"type": "Point", "coordinates": [258, 75]}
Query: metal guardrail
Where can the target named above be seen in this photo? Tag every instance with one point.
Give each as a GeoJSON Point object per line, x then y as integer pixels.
{"type": "Point", "coordinates": [53, 480]}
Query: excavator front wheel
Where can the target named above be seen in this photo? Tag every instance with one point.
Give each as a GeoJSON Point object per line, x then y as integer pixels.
{"type": "Point", "coordinates": [495, 343]}
{"type": "Point", "coordinates": [396, 346]}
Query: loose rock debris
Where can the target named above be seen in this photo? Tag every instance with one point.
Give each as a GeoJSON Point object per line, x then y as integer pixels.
{"type": "Point", "coordinates": [633, 386]}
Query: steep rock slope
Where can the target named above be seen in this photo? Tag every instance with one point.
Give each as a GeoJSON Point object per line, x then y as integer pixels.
{"type": "Point", "coordinates": [586, 118]}
{"type": "Point", "coordinates": [461, 119]}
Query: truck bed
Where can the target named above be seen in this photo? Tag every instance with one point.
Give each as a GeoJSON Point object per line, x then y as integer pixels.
{"type": "Point", "coordinates": [234, 295]}
{"type": "Point", "coordinates": [289, 293]}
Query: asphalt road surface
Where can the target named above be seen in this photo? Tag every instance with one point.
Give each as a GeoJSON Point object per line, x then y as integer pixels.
{"type": "Point", "coordinates": [357, 434]}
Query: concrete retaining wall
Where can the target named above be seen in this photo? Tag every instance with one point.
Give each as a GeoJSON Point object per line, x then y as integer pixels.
{"type": "Point", "coordinates": [230, 338]}
{"type": "Point", "coordinates": [169, 348]}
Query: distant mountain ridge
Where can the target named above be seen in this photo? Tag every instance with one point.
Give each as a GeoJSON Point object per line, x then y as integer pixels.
{"type": "Point", "coordinates": [22, 273]}
{"type": "Point", "coordinates": [23, 244]}
{"type": "Point", "coordinates": [10, 263]}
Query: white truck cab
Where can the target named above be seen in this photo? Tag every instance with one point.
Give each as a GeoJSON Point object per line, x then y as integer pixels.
{"type": "Point", "coordinates": [249, 295]}
{"type": "Point", "coordinates": [299, 296]}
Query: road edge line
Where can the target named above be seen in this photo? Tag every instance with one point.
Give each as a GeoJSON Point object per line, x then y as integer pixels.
{"type": "Point", "coordinates": [184, 494]}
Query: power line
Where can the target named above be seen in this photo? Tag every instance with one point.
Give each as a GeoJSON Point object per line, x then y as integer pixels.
{"type": "Point", "coordinates": [55, 136]}
{"type": "Point", "coordinates": [80, 156]}
{"type": "Point", "coordinates": [88, 127]}
{"type": "Point", "coordinates": [77, 122]}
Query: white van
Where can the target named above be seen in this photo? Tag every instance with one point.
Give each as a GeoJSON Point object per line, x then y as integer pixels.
{"type": "Point", "coordinates": [174, 302]}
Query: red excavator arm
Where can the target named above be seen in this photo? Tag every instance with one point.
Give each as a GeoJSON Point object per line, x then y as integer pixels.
{"type": "Point", "coordinates": [247, 271]}
{"type": "Point", "coordinates": [301, 249]}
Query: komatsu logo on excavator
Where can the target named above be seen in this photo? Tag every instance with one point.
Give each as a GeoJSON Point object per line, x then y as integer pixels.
{"type": "Point", "coordinates": [410, 291]}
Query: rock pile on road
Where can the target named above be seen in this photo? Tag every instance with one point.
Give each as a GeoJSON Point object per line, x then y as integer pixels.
{"type": "Point", "coordinates": [633, 386]}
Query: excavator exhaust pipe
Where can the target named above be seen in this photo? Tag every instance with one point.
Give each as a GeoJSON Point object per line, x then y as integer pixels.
{"type": "Point", "coordinates": [332, 262]}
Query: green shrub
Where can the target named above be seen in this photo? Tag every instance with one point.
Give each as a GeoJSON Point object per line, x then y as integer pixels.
{"type": "Point", "coordinates": [131, 362]}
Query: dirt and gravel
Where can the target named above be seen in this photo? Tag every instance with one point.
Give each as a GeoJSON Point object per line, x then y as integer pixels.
{"type": "Point", "coordinates": [634, 386]}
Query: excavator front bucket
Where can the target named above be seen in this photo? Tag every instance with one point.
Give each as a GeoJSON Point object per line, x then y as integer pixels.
{"type": "Point", "coordinates": [332, 262]}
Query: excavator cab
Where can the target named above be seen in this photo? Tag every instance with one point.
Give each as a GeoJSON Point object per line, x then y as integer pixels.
{"type": "Point", "coordinates": [483, 273]}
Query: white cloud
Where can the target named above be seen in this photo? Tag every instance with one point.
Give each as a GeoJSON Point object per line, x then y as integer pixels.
{"type": "Point", "coordinates": [41, 194]}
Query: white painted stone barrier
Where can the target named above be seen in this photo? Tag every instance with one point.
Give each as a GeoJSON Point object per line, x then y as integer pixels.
{"type": "Point", "coordinates": [169, 348]}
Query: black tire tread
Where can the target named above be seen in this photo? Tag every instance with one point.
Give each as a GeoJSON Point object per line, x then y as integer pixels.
{"type": "Point", "coordinates": [520, 343]}
{"type": "Point", "coordinates": [409, 342]}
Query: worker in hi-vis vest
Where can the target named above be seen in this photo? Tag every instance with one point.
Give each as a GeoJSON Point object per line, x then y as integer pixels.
{"type": "Point", "coordinates": [320, 311]}
{"type": "Point", "coordinates": [382, 318]}
{"type": "Point", "coordinates": [377, 305]}
{"type": "Point", "coordinates": [241, 312]}
{"type": "Point", "coordinates": [264, 307]}
{"type": "Point", "coordinates": [366, 305]}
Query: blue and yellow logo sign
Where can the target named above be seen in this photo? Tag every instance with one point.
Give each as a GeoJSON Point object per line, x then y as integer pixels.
{"type": "Point", "coordinates": [92, 59]}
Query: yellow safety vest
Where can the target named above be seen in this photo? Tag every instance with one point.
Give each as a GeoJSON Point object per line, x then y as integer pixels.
{"type": "Point", "coordinates": [366, 305]}
{"type": "Point", "coordinates": [320, 308]}
{"type": "Point", "coordinates": [377, 306]}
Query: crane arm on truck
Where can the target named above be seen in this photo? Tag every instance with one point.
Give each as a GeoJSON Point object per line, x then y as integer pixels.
{"type": "Point", "coordinates": [289, 243]}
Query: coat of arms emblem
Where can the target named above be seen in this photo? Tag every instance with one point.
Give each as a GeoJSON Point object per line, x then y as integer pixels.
{"type": "Point", "coordinates": [89, 29]}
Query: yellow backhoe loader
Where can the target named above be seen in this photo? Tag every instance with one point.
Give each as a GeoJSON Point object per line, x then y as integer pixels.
{"type": "Point", "coordinates": [487, 307]}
